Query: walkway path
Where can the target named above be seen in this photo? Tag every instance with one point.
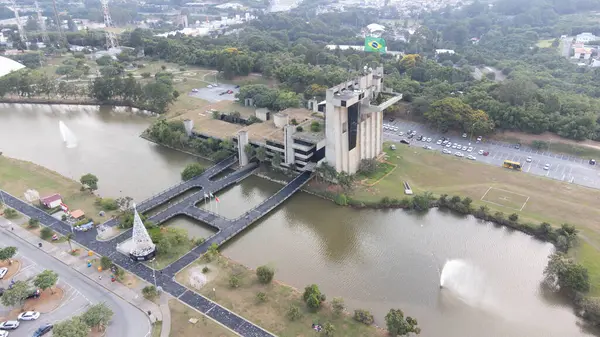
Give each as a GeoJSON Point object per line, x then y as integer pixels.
{"type": "Point", "coordinates": [165, 278]}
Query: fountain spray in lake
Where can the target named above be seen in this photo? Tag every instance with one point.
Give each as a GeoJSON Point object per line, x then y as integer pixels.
{"type": "Point", "coordinates": [67, 135]}
{"type": "Point", "coordinates": [464, 281]}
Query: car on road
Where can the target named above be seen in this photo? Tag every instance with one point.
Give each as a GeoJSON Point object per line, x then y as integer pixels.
{"type": "Point", "coordinates": [428, 140]}
{"type": "Point", "coordinates": [464, 135]}
{"type": "Point", "coordinates": [480, 151]}
{"type": "Point", "coordinates": [479, 138]}
{"type": "Point", "coordinates": [464, 148]}
{"type": "Point", "coordinates": [471, 157]}
{"type": "Point", "coordinates": [3, 272]}
{"type": "Point", "coordinates": [446, 151]}
{"type": "Point", "coordinates": [404, 141]}
{"type": "Point", "coordinates": [470, 149]}
{"type": "Point", "coordinates": [28, 316]}
{"type": "Point", "coordinates": [194, 90]}
{"type": "Point", "coordinates": [9, 325]}
{"type": "Point", "coordinates": [459, 154]}
{"type": "Point", "coordinates": [547, 167]}
{"type": "Point", "coordinates": [528, 159]}
{"type": "Point", "coordinates": [439, 142]}
{"type": "Point", "coordinates": [44, 329]}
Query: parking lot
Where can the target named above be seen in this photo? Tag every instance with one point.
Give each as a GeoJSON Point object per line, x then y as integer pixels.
{"type": "Point", "coordinates": [221, 92]}
{"type": "Point", "coordinates": [73, 302]}
{"type": "Point", "coordinates": [561, 167]}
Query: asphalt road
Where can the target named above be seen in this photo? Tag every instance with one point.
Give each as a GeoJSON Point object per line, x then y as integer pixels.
{"type": "Point", "coordinates": [127, 320]}
{"type": "Point", "coordinates": [562, 167]}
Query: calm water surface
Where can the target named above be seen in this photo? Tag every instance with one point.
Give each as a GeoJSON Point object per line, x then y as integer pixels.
{"type": "Point", "coordinates": [375, 260]}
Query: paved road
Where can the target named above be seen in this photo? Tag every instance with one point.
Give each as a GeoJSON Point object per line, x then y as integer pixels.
{"type": "Point", "coordinates": [562, 167]}
{"type": "Point", "coordinates": [127, 320]}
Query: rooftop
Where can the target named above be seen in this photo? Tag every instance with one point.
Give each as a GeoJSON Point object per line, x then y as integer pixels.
{"type": "Point", "coordinates": [51, 198]}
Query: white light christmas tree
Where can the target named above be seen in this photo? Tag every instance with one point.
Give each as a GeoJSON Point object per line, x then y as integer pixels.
{"type": "Point", "coordinates": [142, 243]}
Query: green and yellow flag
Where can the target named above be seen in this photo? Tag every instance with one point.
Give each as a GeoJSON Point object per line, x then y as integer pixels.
{"type": "Point", "coordinates": [374, 44]}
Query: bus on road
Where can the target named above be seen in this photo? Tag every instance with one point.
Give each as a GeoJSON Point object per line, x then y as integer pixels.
{"type": "Point", "coordinates": [512, 165]}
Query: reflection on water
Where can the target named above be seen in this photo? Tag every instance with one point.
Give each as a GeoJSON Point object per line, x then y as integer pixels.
{"type": "Point", "coordinates": [375, 259]}
{"type": "Point", "coordinates": [193, 228]}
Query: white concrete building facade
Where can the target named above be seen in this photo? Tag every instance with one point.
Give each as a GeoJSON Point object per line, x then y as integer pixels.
{"type": "Point", "coordinates": [353, 127]}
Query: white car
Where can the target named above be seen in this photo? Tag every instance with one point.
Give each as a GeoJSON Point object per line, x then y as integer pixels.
{"type": "Point", "coordinates": [464, 135]}
{"type": "Point", "coordinates": [446, 151]}
{"type": "Point", "coordinates": [209, 86]}
{"type": "Point", "coordinates": [400, 133]}
{"type": "Point", "coordinates": [427, 147]}
{"type": "Point", "coordinates": [480, 152]}
{"type": "Point", "coordinates": [547, 167]}
{"type": "Point", "coordinates": [439, 142]}
{"type": "Point", "coordinates": [470, 149]}
{"type": "Point", "coordinates": [529, 159]}
{"type": "Point", "coordinates": [194, 90]}
{"type": "Point", "coordinates": [471, 157]}
{"type": "Point", "coordinates": [459, 154]}
{"type": "Point", "coordinates": [9, 325]}
{"type": "Point", "coordinates": [479, 138]}
{"type": "Point", "coordinates": [428, 140]}
{"type": "Point", "coordinates": [3, 272]}
{"type": "Point", "coordinates": [3, 333]}
{"type": "Point", "coordinates": [385, 127]}
{"type": "Point", "coordinates": [454, 146]}
{"type": "Point", "coordinates": [448, 144]}
{"type": "Point", "coordinates": [464, 148]}
{"type": "Point", "coordinates": [28, 316]}
{"type": "Point", "coordinates": [445, 142]}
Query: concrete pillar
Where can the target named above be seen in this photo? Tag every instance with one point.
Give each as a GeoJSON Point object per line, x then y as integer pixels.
{"type": "Point", "coordinates": [188, 124]}
{"type": "Point", "coordinates": [242, 142]}
{"type": "Point", "coordinates": [288, 145]}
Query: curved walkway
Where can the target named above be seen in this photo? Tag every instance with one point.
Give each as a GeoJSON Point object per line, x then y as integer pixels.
{"type": "Point", "coordinates": [165, 278]}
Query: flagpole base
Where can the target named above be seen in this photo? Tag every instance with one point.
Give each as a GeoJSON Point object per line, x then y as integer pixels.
{"type": "Point", "coordinates": [143, 257]}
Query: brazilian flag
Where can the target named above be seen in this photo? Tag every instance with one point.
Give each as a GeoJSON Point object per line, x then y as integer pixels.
{"type": "Point", "coordinates": [374, 44]}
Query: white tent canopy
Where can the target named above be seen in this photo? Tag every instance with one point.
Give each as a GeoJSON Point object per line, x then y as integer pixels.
{"type": "Point", "coordinates": [7, 66]}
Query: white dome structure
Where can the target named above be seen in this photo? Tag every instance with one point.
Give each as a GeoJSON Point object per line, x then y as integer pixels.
{"type": "Point", "coordinates": [7, 66]}
{"type": "Point", "coordinates": [375, 29]}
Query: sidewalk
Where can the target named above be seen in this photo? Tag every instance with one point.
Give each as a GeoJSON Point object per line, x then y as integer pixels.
{"type": "Point", "coordinates": [130, 293]}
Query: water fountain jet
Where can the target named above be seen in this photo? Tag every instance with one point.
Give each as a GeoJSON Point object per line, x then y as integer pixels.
{"type": "Point", "coordinates": [67, 135]}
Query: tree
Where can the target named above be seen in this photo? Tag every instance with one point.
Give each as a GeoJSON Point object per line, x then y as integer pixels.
{"type": "Point", "coordinates": [33, 223]}
{"type": "Point", "coordinates": [265, 274]}
{"type": "Point", "coordinates": [46, 233]}
{"type": "Point", "coordinates": [7, 253]}
{"type": "Point", "coordinates": [363, 316]}
{"type": "Point", "coordinates": [105, 263]}
{"type": "Point", "coordinates": [10, 213]}
{"type": "Point", "coordinates": [249, 151]}
{"type": "Point", "coordinates": [74, 327]}
{"type": "Point", "coordinates": [338, 305]}
{"type": "Point", "coordinates": [315, 126]}
{"type": "Point", "coordinates": [329, 329]}
{"type": "Point", "coordinates": [313, 302]}
{"type": "Point", "coordinates": [261, 154]}
{"type": "Point", "coordinates": [564, 273]}
{"type": "Point", "coordinates": [89, 181]}
{"type": "Point", "coordinates": [16, 294]}
{"type": "Point", "coordinates": [97, 315]}
{"type": "Point", "coordinates": [293, 313]}
{"type": "Point", "coordinates": [234, 281]}
{"type": "Point", "coordinates": [69, 237]}
{"type": "Point", "coordinates": [276, 160]}
{"type": "Point", "coordinates": [398, 325]}
{"type": "Point", "coordinates": [313, 297]}
{"type": "Point", "coordinates": [191, 171]}
{"type": "Point", "coordinates": [46, 280]}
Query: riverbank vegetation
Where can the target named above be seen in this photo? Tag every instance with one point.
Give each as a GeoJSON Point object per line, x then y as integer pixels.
{"type": "Point", "coordinates": [17, 176]}
{"type": "Point", "coordinates": [276, 307]}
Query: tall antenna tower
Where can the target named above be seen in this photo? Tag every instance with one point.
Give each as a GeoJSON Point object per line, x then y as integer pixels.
{"type": "Point", "coordinates": [42, 23]}
{"type": "Point", "coordinates": [59, 24]}
{"type": "Point", "coordinates": [111, 39]}
{"type": "Point", "coordinates": [22, 34]}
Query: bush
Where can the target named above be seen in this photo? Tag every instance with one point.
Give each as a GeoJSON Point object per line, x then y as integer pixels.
{"type": "Point", "coordinates": [205, 270]}
{"type": "Point", "coordinates": [149, 292]}
{"type": "Point", "coordinates": [191, 171]}
{"type": "Point", "coordinates": [107, 204]}
{"type": "Point", "coordinates": [261, 297]}
{"type": "Point", "coordinates": [146, 75]}
{"type": "Point", "coordinates": [10, 213]}
{"type": "Point", "coordinates": [46, 233]}
{"type": "Point", "coordinates": [539, 145]}
{"type": "Point", "coordinates": [299, 128]}
{"type": "Point", "coordinates": [294, 121]}
{"type": "Point", "coordinates": [33, 223]}
{"type": "Point", "coordinates": [293, 313]}
{"type": "Point", "coordinates": [234, 281]}
{"type": "Point", "coordinates": [513, 217]}
{"type": "Point", "coordinates": [315, 126]}
{"type": "Point", "coordinates": [105, 263]}
{"type": "Point", "coordinates": [368, 166]}
{"type": "Point", "coordinates": [313, 302]}
{"type": "Point", "coordinates": [363, 316]}
{"type": "Point", "coordinates": [341, 199]}
{"type": "Point", "coordinates": [338, 305]}
{"type": "Point", "coordinates": [265, 274]}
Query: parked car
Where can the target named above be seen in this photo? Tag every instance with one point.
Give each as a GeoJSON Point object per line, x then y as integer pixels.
{"type": "Point", "coordinates": [427, 147]}
{"type": "Point", "coordinates": [480, 151]}
{"type": "Point", "coordinates": [428, 140]}
{"type": "Point", "coordinates": [404, 141]}
{"type": "Point", "coordinates": [547, 167]}
{"type": "Point", "coordinates": [392, 119]}
{"type": "Point", "coordinates": [592, 161]}
{"type": "Point", "coordinates": [237, 86]}
{"type": "Point", "coordinates": [471, 157]}
{"type": "Point", "coordinates": [28, 316]}
{"type": "Point", "coordinates": [464, 135]}
{"type": "Point", "coordinates": [9, 325]}
{"type": "Point", "coordinates": [230, 91]}
{"type": "Point", "coordinates": [464, 148]}
{"type": "Point", "coordinates": [194, 90]}
{"type": "Point", "coordinates": [3, 333]}
{"type": "Point", "coordinates": [439, 142]}
{"type": "Point", "coordinates": [454, 146]}
{"type": "Point", "coordinates": [479, 138]}
{"type": "Point", "coordinates": [517, 146]}
{"type": "Point", "coordinates": [400, 133]}
{"type": "Point", "coordinates": [209, 86]}
{"type": "Point", "coordinates": [446, 151]}
{"type": "Point", "coordinates": [448, 144]}
{"type": "Point", "coordinates": [470, 149]}
{"type": "Point", "coordinates": [3, 272]}
{"type": "Point", "coordinates": [44, 329]}
{"type": "Point", "coordinates": [459, 154]}
{"type": "Point", "coordinates": [528, 159]}
{"type": "Point", "coordinates": [34, 294]}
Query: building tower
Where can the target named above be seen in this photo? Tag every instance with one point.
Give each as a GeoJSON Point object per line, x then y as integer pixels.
{"type": "Point", "coordinates": [22, 34]}
{"type": "Point", "coordinates": [111, 39]}
{"type": "Point", "coordinates": [42, 23]}
{"type": "Point", "coordinates": [143, 249]}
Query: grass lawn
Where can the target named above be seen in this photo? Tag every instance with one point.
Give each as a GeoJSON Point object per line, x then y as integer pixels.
{"type": "Point", "coordinates": [178, 251]}
{"type": "Point", "coordinates": [549, 200]}
{"type": "Point", "coordinates": [17, 176]}
{"type": "Point", "coordinates": [545, 43]}
{"type": "Point", "coordinates": [181, 326]}
{"type": "Point", "coordinates": [383, 169]}
{"type": "Point", "coordinates": [271, 314]}
{"type": "Point", "coordinates": [156, 329]}
{"type": "Point", "coordinates": [576, 150]}
{"type": "Point", "coordinates": [587, 255]}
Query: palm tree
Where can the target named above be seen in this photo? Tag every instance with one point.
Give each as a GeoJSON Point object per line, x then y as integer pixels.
{"type": "Point", "coordinates": [70, 237]}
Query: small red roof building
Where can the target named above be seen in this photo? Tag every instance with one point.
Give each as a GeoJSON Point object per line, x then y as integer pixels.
{"type": "Point", "coordinates": [51, 201]}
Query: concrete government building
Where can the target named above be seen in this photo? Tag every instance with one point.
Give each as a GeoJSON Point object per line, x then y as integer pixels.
{"type": "Point", "coordinates": [351, 127]}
